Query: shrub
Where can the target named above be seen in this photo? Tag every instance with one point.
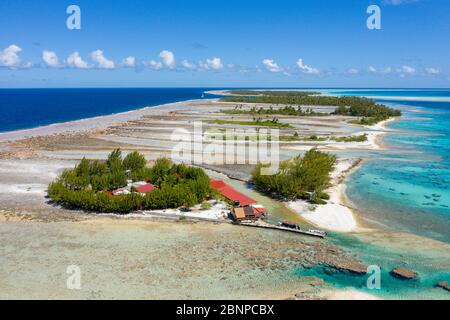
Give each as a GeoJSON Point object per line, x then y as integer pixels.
{"type": "Point", "coordinates": [134, 161]}
{"type": "Point", "coordinates": [114, 161]}
{"type": "Point", "coordinates": [206, 205]}
{"type": "Point", "coordinates": [85, 187]}
{"type": "Point", "coordinates": [301, 177]}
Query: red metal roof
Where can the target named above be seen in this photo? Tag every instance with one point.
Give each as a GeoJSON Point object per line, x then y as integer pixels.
{"type": "Point", "coordinates": [259, 211]}
{"type": "Point", "coordinates": [145, 188]}
{"type": "Point", "coordinates": [218, 184]}
{"type": "Point", "coordinates": [230, 193]}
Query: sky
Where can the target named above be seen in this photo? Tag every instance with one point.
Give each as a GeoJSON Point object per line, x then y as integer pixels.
{"type": "Point", "coordinates": [225, 43]}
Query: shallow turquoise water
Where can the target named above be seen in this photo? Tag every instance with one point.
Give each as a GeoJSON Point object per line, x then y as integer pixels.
{"type": "Point", "coordinates": [403, 188]}
{"type": "Point", "coordinates": [407, 187]}
{"type": "Point", "coordinates": [391, 287]}
{"type": "Point", "coordinates": [430, 259]}
{"type": "Point", "coordinates": [394, 93]}
{"type": "Point", "coordinates": [410, 190]}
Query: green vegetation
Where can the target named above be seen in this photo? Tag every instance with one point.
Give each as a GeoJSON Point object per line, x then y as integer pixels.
{"type": "Point", "coordinates": [370, 114]}
{"type": "Point", "coordinates": [314, 138]}
{"type": "Point", "coordinates": [206, 205]}
{"type": "Point", "coordinates": [359, 138]}
{"type": "Point", "coordinates": [274, 123]}
{"type": "Point", "coordinates": [285, 138]}
{"type": "Point", "coordinates": [304, 177]}
{"type": "Point", "coordinates": [366, 121]}
{"type": "Point", "coordinates": [272, 93]}
{"type": "Point", "coordinates": [359, 103]}
{"type": "Point", "coordinates": [221, 135]}
{"type": "Point", "coordinates": [367, 109]}
{"type": "Point", "coordinates": [88, 185]}
{"type": "Point", "coordinates": [287, 111]}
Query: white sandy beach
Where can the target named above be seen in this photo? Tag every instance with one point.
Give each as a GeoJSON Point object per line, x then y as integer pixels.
{"type": "Point", "coordinates": [382, 126]}
{"type": "Point", "coordinates": [349, 294]}
{"type": "Point", "coordinates": [334, 215]}
{"type": "Point", "coordinates": [218, 212]}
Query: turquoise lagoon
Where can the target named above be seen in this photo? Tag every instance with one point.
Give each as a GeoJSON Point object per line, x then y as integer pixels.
{"type": "Point", "coordinates": [403, 195]}
{"type": "Point", "coordinates": [409, 189]}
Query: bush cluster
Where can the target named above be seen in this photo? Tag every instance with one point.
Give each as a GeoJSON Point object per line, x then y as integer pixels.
{"type": "Point", "coordinates": [88, 185]}
{"type": "Point", "coordinates": [304, 177]}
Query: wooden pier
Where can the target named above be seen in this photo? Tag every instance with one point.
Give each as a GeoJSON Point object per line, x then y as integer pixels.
{"type": "Point", "coordinates": [263, 225]}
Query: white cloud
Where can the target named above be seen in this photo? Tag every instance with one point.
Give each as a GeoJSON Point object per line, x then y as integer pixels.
{"type": "Point", "coordinates": [74, 60]}
{"type": "Point", "coordinates": [353, 71]}
{"type": "Point", "coordinates": [214, 63]}
{"type": "Point", "coordinates": [101, 61]}
{"type": "Point", "coordinates": [271, 65]}
{"type": "Point", "coordinates": [433, 71]}
{"type": "Point", "coordinates": [155, 65]}
{"type": "Point", "coordinates": [51, 59]}
{"type": "Point", "coordinates": [203, 66]}
{"type": "Point", "coordinates": [241, 69]}
{"type": "Point", "coordinates": [26, 65]}
{"type": "Point", "coordinates": [168, 59]}
{"type": "Point", "coordinates": [187, 65]}
{"type": "Point", "coordinates": [128, 62]}
{"type": "Point", "coordinates": [406, 69]}
{"type": "Point", "coordinates": [398, 2]}
{"type": "Point", "coordinates": [372, 69]}
{"type": "Point", "coordinates": [306, 69]}
{"type": "Point", "coordinates": [211, 64]}
{"type": "Point", "coordinates": [9, 57]}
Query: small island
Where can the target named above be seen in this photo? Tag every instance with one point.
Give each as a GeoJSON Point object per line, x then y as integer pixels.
{"type": "Point", "coordinates": [124, 185]}
{"type": "Point", "coordinates": [114, 171]}
{"type": "Point", "coordinates": [127, 185]}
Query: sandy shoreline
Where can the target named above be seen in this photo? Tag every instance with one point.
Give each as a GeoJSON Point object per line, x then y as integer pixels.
{"type": "Point", "coordinates": [93, 123]}
{"type": "Point", "coordinates": [24, 181]}
{"type": "Point", "coordinates": [336, 215]}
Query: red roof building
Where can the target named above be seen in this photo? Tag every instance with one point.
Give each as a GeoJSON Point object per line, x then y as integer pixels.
{"type": "Point", "coordinates": [218, 184]}
{"type": "Point", "coordinates": [146, 188]}
{"type": "Point", "coordinates": [231, 194]}
{"type": "Point", "coordinates": [259, 211]}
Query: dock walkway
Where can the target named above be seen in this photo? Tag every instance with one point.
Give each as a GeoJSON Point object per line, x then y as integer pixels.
{"type": "Point", "coordinates": [313, 233]}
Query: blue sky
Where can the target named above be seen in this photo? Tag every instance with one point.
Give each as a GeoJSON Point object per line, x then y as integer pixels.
{"type": "Point", "coordinates": [245, 43]}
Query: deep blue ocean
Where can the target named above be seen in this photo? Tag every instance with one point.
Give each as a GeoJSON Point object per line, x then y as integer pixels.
{"type": "Point", "coordinates": [29, 108]}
